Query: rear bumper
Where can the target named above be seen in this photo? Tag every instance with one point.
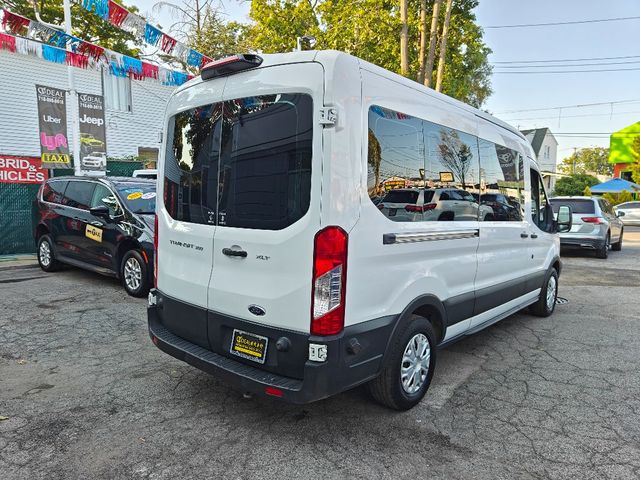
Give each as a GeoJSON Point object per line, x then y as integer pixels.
{"type": "Point", "coordinates": [353, 357]}
{"type": "Point", "coordinates": [589, 243]}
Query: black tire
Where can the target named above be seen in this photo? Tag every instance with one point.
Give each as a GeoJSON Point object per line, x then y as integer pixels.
{"type": "Point", "coordinates": [134, 274]}
{"type": "Point", "coordinates": [616, 247]}
{"type": "Point", "coordinates": [47, 262]}
{"type": "Point", "coordinates": [387, 388]}
{"type": "Point", "coordinates": [603, 250]}
{"type": "Point", "coordinates": [543, 307]}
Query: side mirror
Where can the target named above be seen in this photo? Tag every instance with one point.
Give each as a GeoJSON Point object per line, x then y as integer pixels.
{"type": "Point", "coordinates": [620, 214]}
{"type": "Point", "coordinates": [564, 222]}
{"type": "Point", "coordinates": [100, 212]}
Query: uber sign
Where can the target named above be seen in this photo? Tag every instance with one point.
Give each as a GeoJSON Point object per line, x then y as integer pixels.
{"type": "Point", "coordinates": [93, 136]}
{"type": "Point", "coordinates": [52, 123]}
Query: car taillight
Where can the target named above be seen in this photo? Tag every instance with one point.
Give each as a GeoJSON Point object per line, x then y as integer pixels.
{"type": "Point", "coordinates": [420, 209]}
{"type": "Point", "coordinates": [430, 206]}
{"type": "Point", "coordinates": [594, 220]}
{"type": "Point", "coordinates": [329, 281]}
{"type": "Point", "coordinates": [381, 206]}
{"type": "Point", "coordinates": [155, 251]}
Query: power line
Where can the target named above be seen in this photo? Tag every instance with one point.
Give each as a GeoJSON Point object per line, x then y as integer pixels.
{"type": "Point", "coordinates": [563, 107]}
{"type": "Point", "coordinates": [566, 60]}
{"type": "Point", "coordinates": [572, 116]}
{"type": "Point", "coordinates": [574, 71]}
{"type": "Point", "coordinates": [571, 65]}
{"type": "Point", "coordinates": [553, 24]}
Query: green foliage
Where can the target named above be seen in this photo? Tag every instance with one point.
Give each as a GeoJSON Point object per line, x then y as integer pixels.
{"type": "Point", "coordinates": [370, 29]}
{"type": "Point", "coordinates": [618, 198]}
{"type": "Point", "coordinates": [574, 184]}
{"type": "Point", "coordinates": [587, 192]}
{"type": "Point", "coordinates": [86, 25]}
{"type": "Point", "coordinates": [635, 166]}
{"type": "Point", "coordinates": [594, 160]}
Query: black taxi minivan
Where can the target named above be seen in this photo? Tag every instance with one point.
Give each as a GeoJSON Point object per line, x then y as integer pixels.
{"type": "Point", "coordinates": [101, 224]}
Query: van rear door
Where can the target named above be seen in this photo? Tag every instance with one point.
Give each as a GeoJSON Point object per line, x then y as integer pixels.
{"type": "Point", "coordinates": [269, 196]}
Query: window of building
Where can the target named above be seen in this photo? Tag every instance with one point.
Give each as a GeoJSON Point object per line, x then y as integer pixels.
{"type": "Point", "coordinates": [116, 91]}
{"type": "Point", "coordinates": [547, 152]}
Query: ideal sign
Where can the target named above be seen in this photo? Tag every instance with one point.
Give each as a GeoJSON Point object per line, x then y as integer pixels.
{"type": "Point", "coordinates": [52, 122]}
{"type": "Point", "coordinates": [21, 170]}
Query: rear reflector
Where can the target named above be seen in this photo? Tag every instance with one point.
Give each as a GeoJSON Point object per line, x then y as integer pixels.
{"type": "Point", "coordinates": [329, 281]}
{"type": "Point", "coordinates": [594, 220]}
{"type": "Point", "coordinates": [273, 391]}
{"type": "Point", "coordinates": [230, 65]}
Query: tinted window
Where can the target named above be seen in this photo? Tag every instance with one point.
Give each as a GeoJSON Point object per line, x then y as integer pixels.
{"type": "Point", "coordinates": [102, 196]}
{"type": "Point", "coordinates": [577, 206]}
{"type": "Point", "coordinates": [78, 194]}
{"type": "Point", "coordinates": [501, 178]}
{"type": "Point", "coordinates": [242, 163]}
{"type": "Point", "coordinates": [407, 152]}
{"type": "Point", "coordinates": [54, 191]}
{"type": "Point", "coordinates": [265, 161]}
{"type": "Point", "coordinates": [139, 198]}
{"type": "Point", "coordinates": [401, 196]}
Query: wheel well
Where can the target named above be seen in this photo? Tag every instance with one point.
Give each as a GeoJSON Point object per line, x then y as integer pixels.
{"type": "Point", "coordinates": [41, 230]}
{"type": "Point", "coordinates": [123, 248]}
{"type": "Point", "coordinates": [433, 316]}
{"type": "Point", "coordinates": [557, 266]}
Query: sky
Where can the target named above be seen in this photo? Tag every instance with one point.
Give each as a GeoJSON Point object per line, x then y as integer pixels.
{"type": "Point", "coordinates": [529, 91]}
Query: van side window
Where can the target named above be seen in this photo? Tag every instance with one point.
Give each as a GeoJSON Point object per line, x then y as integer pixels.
{"type": "Point", "coordinates": [103, 196]}
{"type": "Point", "coordinates": [501, 182]}
{"type": "Point", "coordinates": [78, 194]}
{"type": "Point", "coordinates": [541, 213]}
{"type": "Point", "coordinates": [412, 154]}
{"type": "Point", "coordinates": [54, 191]}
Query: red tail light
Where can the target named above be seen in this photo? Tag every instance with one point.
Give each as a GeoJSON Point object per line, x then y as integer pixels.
{"type": "Point", "coordinates": [420, 209]}
{"type": "Point", "coordinates": [380, 206]}
{"type": "Point", "coordinates": [155, 251]}
{"type": "Point", "coordinates": [594, 220]}
{"type": "Point", "coordinates": [329, 281]}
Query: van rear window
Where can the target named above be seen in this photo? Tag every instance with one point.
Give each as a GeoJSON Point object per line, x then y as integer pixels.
{"type": "Point", "coordinates": [577, 206]}
{"type": "Point", "coordinates": [241, 163]}
{"type": "Point", "coordinates": [401, 196]}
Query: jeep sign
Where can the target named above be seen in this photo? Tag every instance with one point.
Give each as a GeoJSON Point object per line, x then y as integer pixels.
{"type": "Point", "coordinates": [93, 136]}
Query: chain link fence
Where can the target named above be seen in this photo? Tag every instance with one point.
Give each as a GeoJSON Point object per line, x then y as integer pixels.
{"type": "Point", "coordinates": [16, 200]}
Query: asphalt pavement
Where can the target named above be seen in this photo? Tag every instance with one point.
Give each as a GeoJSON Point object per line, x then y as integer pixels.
{"type": "Point", "coordinates": [85, 394]}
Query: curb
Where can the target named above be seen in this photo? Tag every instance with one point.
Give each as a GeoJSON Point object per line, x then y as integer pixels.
{"type": "Point", "coordinates": [17, 267]}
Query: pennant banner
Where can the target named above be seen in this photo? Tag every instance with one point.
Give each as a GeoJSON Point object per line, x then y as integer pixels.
{"type": "Point", "coordinates": [151, 34]}
{"type": "Point", "coordinates": [7, 42]}
{"type": "Point", "coordinates": [117, 13]}
{"type": "Point", "coordinates": [101, 7]}
{"type": "Point", "coordinates": [13, 22]}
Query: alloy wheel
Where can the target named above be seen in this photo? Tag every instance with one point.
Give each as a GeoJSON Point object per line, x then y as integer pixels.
{"type": "Point", "coordinates": [552, 287]}
{"type": "Point", "coordinates": [44, 253]}
{"type": "Point", "coordinates": [132, 274]}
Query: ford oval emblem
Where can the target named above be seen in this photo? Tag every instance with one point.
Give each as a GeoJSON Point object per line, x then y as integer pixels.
{"type": "Point", "coordinates": [257, 310]}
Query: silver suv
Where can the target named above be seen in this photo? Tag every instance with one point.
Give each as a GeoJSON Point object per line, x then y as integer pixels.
{"type": "Point", "coordinates": [595, 225]}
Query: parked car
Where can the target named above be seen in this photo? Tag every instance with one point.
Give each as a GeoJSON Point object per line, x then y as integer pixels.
{"type": "Point", "coordinates": [595, 226]}
{"type": "Point", "coordinates": [629, 213]}
{"type": "Point", "coordinates": [502, 207]}
{"type": "Point", "coordinates": [100, 224]}
{"type": "Point", "coordinates": [277, 271]}
{"type": "Point", "coordinates": [146, 173]}
{"type": "Point", "coordinates": [413, 204]}
{"type": "Point", "coordinates": [97, 160]}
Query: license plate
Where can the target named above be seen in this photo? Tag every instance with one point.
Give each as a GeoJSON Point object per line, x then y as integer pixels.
{"type": "Point", "coordinates": [392, 212]}
{"type": "Point", "coordinates": [249, 345]}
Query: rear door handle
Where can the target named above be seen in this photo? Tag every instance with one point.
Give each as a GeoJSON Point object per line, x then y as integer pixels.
{"type": "Point", "coordinates": [234, 253]}
{"type": "Point", "coordinates": [524, 235]}
{"type": "Point", "coordinates": [533, 235]}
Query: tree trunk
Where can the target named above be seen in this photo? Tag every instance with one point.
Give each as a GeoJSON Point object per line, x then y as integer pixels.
{"type": "Point", "coordinates": [433, 38]}
{"type": "Point", "coordinates": [443, 46]}
{"type": "Point", "coordinates": [404, 38]}
{"type": "Point", "coordinates": [423, 39]}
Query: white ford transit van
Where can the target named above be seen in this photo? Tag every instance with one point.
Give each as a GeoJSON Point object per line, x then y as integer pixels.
{"type": "Point", "coordinates": [321, 224]}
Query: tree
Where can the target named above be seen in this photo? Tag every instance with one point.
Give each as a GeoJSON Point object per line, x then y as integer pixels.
{"type": "Point", "coordinates": [369, 29]}
{"type": "Point", "coordinates": [635, 166]}
{"type": "Point", "coordinates": [574, 184]}
{"type": "Point", "coordinates": [593, 160]}
{"type": "Point", "coordinates": [443, 46]}
{"type": "Point", "coordinates": [428, 75]}
{"type": "Point", "coordinates": [404, 38]}
{"type": "Point", "coordinates": [455, 154]}
{"type": "Point", "coordinates": [618, 198]}
{"type": "Point", "coordinates": [86, 25]}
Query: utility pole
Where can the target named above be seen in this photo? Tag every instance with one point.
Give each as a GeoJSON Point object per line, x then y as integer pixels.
{"type": "Point", "coordinates": [73, 97]}
{"type": "Point", "coordinates": [443, 46]}
{"type": "Point", "coordinates": [404, 38]}
{"type": "Point", "coordinates": [428, 76]}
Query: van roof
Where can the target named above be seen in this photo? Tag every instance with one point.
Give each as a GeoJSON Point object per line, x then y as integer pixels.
{"type": "Point", "coordinates": [330, 57]}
